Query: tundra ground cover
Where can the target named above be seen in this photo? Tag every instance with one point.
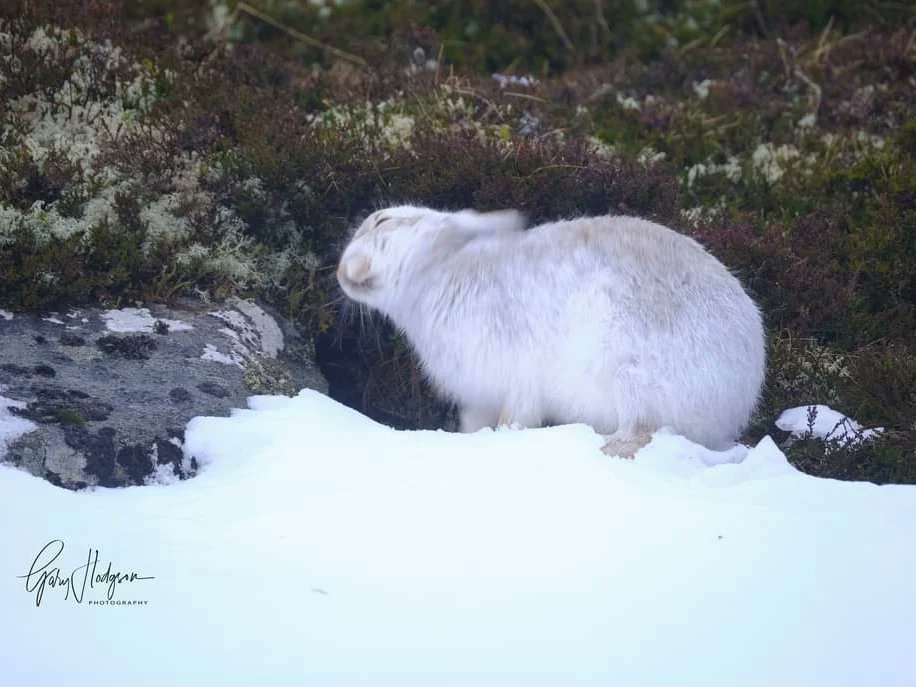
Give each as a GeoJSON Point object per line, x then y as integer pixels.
{"type": "Point", "coordinates": [154, 149]}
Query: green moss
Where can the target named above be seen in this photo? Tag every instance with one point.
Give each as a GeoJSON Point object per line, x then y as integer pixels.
{"type": "Point", "coordinates": [69, 417]}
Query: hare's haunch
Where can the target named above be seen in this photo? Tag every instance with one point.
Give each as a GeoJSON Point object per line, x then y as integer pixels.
{"type": "Point", "coordinates": [617, 322]}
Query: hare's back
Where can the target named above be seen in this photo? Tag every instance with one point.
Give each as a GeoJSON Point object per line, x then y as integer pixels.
{"type": "Point", "coordinates": [635, 253]}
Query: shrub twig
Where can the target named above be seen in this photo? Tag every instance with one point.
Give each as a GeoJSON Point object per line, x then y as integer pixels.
{"type": "Point", "coordinates": [556, 24]}
{"type": "Point", "coordinates": [244, 7]}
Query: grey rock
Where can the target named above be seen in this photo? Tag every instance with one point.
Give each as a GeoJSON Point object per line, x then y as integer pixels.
{"type": "Point", "coordinates": [68, 339]}
{"type": "Point", "coordinates": [111, 400]}
{"type": "Point", "coordinates": [44, 370]}
{"type": "Point", "coordinates": [135, 346]}
{"type": "Point", "coordinates": [214, 389]}
{"type": "Point", "coordinates": [180, 395]}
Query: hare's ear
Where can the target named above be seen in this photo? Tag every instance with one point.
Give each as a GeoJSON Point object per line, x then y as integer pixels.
{"type": "Point", "coordinates": [475, 223]}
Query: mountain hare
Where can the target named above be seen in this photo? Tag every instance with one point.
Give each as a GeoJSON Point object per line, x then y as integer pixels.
{"type": "Point", "coordinates": [616, 322]}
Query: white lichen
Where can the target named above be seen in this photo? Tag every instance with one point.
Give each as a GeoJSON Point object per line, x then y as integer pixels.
{"type": "Point", "coordinates": [138, 320]}
{"type": "Point", "coordinates": [102, 97]}
{"type": "Point", "coordinates": [628, 102]}
{"type": "Point", "coordinates": [649, 156]}
{"type": "Point", "coordinates": [503, 80]}
{"type": "Point", "coordinates": [213, 354]}
{"type": "Point", "coordinates": [600, 149]}
{"type": "Point", "coordinates": [730, 169]}
{"type": "Point", "coordinates": [807, 122]}
{"type": "Point", "coordinates": [162, 221]}
{"type": "Point", "coordinates": [252, 331]}
{"type": "Point", "coordinates": [701, 214]}
{"type": "Point", "coordinates": [770, 162]}
{"type": "Point", "coordinates": [701, 88]}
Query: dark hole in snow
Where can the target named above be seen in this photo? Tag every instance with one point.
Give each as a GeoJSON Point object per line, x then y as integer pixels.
{"type": "Point", "coordinates": [370, 370]}
{"type": "Point", "coordinates": [99, 450]}
{"type": "Point", "coordinates": [136, 461]}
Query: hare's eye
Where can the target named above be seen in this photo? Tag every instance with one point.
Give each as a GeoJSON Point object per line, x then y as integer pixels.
{"type": "Point", "coordinates": [381, 220]}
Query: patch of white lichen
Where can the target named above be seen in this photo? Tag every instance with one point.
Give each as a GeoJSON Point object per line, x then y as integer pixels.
{"type": "Point", "coordinates": [101, 100]}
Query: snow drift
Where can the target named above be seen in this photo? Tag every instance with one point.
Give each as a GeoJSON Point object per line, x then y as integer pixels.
{"type": "Point", "coordinates": [317, 547]}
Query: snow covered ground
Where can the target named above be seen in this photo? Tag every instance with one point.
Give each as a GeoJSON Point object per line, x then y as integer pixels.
{"type": "Point", "coordinates": [319, 548]}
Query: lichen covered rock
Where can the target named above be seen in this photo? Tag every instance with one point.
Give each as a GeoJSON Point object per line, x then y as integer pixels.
{"type": "Point", "coordinates": [113, 413]}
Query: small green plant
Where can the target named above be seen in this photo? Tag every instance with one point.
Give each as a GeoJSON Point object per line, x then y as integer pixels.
{"type": "Point", "coordinates": [69, 417]}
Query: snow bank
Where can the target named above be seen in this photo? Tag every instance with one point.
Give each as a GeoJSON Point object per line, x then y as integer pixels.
{"type": "Point", "coordinates": [317, 547]}
{"type": "Point", "coordinates": [11, 426]}
{"type": "Point", "coordinates": [827, 424]}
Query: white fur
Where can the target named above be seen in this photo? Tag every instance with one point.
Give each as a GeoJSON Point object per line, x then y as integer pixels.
{"type": "Point", "coordinates": [613, 321]}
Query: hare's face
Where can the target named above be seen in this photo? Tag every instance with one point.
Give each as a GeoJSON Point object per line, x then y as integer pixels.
{"type": "Point", "coordinates": [375, 263]}
{"type": "Point", "coordinates": [394, 250]}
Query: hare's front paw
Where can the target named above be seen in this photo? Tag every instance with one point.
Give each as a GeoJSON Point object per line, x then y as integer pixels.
{"type": "Point", "coordinates": [625, 444]}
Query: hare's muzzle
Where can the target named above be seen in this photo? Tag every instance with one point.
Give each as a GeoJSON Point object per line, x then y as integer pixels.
{"type": "Point", "coordinates": [355, 274]}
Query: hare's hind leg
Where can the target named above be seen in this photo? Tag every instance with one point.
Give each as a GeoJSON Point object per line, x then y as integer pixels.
{"type": "Point", "coordinates": [625, 444]}
{"type": "Point", "coordinates": [474, 418]}
{"type": "Point", "coordinates": [513, 412]}
{"type": "Point", "coordinates": [520, 410]}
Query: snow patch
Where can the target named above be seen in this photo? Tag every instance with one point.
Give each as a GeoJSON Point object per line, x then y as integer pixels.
{"type": "Point", "coordinates": [6, 315]}
{"type": "Point", "coordinates": [53, 320]}
{"type": "Point", "coordinates": [326, 547]}
{"type": "Point", "coordinates": [138, 320]}
{"type": "Point", "coordinates": [162, 474]}
{"type": "Point", "coordinates": [12, 426]}
{"type": "Point", "coordinates": [826, 423]}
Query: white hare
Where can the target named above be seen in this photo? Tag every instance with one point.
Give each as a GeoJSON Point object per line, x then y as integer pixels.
{"type": "Point", "coordinates": [616, 322]}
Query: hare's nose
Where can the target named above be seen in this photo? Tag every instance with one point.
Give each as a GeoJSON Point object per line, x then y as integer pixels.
{"type": "Point", "coordinates": [355, 270]}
